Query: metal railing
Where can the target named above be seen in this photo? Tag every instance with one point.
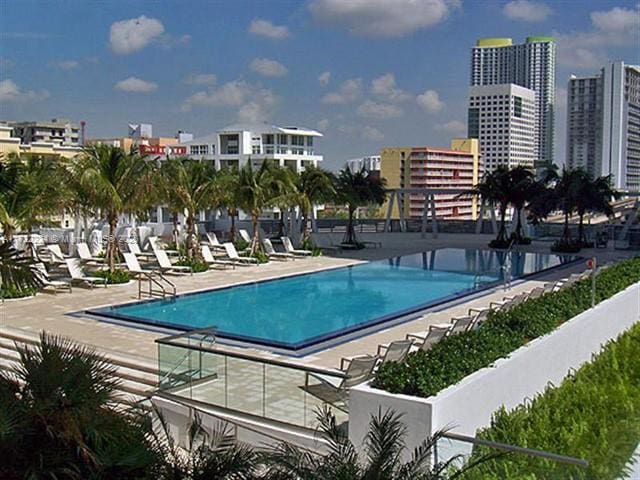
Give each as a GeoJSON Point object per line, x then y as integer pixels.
{"type": "Point", "coordinates": [158, 280]}
{"type": "Point", "coordinates": [253, 384]}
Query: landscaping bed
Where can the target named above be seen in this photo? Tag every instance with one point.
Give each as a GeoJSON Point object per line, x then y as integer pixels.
{"type": "Point", "coordinates": [424, 374]}
{"type": "Point", "coordinates": [594, 415]}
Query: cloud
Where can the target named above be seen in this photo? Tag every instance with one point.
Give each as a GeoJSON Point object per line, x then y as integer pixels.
{"type": "Point", "coordinates": [385, 87]}
{"type": "Point", "coordinates": [365, 132]}
{"type": "Point", "coordinates": [455, 127]}
{"type": "Point", "coordinates": [66, 64]}
{"type": "Point", "coordinates": [10, 92]}
{"type": "Point", "coordinates": [527, 11]}
{"type": "Point", "coordinates": [379, 111]}
{"type": "Point", "coordinates": [254, 103]}
{"type": "Point", "coordinates": [136, 85]}
{"type": "Point", "coordinates": [617, 27]}
{"type": "Point", "coordinates": [430, 101]}
{"type": "Point", "coordinates": [349, 91]}
{"type": "Point", "coordinates": [201, 79]}
{"type": "Point", "coordinates": [323, 124]}
{"type": "Point", "coordinates": [268, 67]}
{"type": "Point", "coordinates": [324, 78]}
{"type": "Point", "coordinates": [382, 18]}
{"type": "Point", "coordinates": [128, 36]}
{"type": "Point", "coordinates": [265, 28]}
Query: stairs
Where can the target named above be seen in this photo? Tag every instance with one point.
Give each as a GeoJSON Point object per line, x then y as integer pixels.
{"type": "Point", "coordinates": [138, 377]}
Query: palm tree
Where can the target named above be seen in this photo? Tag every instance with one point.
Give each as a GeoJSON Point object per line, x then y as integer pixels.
{"type": "Point", "coordinates": [593, 196]}
{"type": "Point", "coordinates": [37, 190]}
{"type": "Point", "coordinates": [358, 189]}
{"type": "Point", "coordinates": [116, 183]}
{"type": "Point", "coordinates": [58, 417]}
{"type": "Point", "coordinates": [494, 189]}
{"type": "Point", "coordinates": [189, 186]}
{"type": "Point", "coordinates": [258, 190]}
{"type": "Point", "coordinates": [227, 186]}
{"type": "Point", "coordinates": [522, 187]}
{"type": "Point", "coordinates": [567, 191]}
{"type": "Point", "coordinates": [206, 456]}
{"type": "Point", "coordinates": [16, 271]}
{"type": "Point", "coordinates": [314, 186]}
{"type": "Point", "coordinates": [383, 447]}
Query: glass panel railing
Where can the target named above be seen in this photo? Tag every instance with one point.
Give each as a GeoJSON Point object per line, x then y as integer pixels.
{"type": "Point", "coordinates": [193, 367]}
{"type": "Point", "coordinates": [482, 459]}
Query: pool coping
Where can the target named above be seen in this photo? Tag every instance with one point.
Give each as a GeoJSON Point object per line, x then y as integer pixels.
{"type": "Point", "coordinates": [312, 344]}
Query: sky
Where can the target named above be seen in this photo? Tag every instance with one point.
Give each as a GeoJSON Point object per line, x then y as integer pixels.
{"type": "Point", "coordinates": [367, 73]}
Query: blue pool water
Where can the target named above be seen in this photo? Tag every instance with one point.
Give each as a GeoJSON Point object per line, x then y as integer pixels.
{"type": "Point", "coordinates": [300, 311]}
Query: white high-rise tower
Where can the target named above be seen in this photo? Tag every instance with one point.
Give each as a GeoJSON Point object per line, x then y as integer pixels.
{"type": "Point", "coordinates": [531, 65]}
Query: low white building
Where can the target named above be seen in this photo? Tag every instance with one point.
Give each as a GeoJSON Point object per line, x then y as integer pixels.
{"type": "Point", "coordinates": [234, 145]}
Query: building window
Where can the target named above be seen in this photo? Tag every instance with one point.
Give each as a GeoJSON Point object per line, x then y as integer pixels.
{"type": "Point", "coordinates": [309, 141]}
{"type": "Point", "coordinates": [268, 139]}
{"type": "Point", "coordinates": [282, 139]}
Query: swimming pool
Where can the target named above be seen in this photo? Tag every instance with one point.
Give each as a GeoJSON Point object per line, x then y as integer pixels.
{"type": "Point", "coordinates": [297, 312]}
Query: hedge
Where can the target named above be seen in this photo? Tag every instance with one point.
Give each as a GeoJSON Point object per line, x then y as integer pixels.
{"type": "Point", "coordinates": [425, 373]}
{"type": "Point", "coordinates": [594, 414]}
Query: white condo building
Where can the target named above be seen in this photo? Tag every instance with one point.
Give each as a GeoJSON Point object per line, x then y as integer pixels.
{"type": "Point", "coordinates": [603, 124]}
{"type": "Point", "coordinates": [234, 145]}
{"type": "Point", "coordinates": [531, 65]}
{"type": "Point", "coordinates": [371, 163]}
{"type": "Point", "coordinates": [502, 118]}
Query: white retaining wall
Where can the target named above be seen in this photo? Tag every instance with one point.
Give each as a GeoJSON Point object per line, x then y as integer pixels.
{"type": "Point", "coordinates": [468, 405]}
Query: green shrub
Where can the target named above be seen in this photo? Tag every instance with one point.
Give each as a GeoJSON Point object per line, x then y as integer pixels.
{"type": "Point", "coordinates": [309, 245]}
{"type": "Point", "coordinates": [594, 414]}
{"type": "Point", "coordinates": [240, 244]}
{"type": "Point", "coordinates": [260, 256]}
{"type": "Point", "coordinates": [115, 277]}
{"type": "Point", "coordinates": [8, 292]}
{"type": "Point", "coordinates": [453, 358]}
{"type": "Point", "coordinates": [196, 264]}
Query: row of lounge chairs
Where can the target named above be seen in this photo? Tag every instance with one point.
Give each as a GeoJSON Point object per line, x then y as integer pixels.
{"type": "Point", "coordinates": [359, 369]}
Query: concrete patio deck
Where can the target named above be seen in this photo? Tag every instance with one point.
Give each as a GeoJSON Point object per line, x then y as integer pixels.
{"type": "Point", "coordinates": [51, 312]}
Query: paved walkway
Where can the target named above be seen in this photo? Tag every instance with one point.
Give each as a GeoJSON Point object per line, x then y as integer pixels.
{"type": "Point", "coordinates": [50, 312]}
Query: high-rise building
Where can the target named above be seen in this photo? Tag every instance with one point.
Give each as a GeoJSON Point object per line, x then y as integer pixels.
{"type": "Point", "coordinates": [457, 168]}
{"type": "Point", "coordinates": [531, 65]}
{"type": "Point", "coordinates": [502, 118]}
{"type": "Point", "coordinates": [603, 124]}
{"type": "Point", "coordinates": [371, 163]}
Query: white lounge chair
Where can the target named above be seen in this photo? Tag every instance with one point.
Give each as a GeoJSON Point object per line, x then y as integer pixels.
{"type": "Point", "coordinates": [271, 252]}
{"type": "Point", "coordinates": [213, 241]}
{"type": "Point", "coordinates": [232, 253]}
{"type": "Point", "coordinates": [77, 274]}
{"type": "Point", "coordinates": [134, 248]}
{"type": "Point", "coordinates": [288, 246]}
{"type": "Point", "coordinates": [134, 266]}
{"type": "Point", "coordinates": [432, 336]}
{"type": "Point", "coordinates": [47, 281]}
{"type": "Point", "coordinates": [395, 351]}
{"type": "Point", "coordinates": [244, 235]}
{"type": "Point", "coordinates": [156, 245]}
{"type": "Point", "coordinates": [56, 253]}
{"type": "Point", "coordinates": [335, 390]}
{"type": "Point", "coordinates": [85, 254]}
{"type": "Point", "coordinates": [211, 260]}
{"type": "Point", "coordinates": [167, 267]}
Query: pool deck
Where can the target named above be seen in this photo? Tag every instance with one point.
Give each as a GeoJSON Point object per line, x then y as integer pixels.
{"type": "Point", "coordinates": [52, 312]}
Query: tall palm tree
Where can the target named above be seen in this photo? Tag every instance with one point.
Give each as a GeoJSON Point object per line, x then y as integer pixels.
{"type": "Point", "coordinates": [384, 446]}
{"type": "Point", "coordinates": [189, 186]}
{"type": "Point", "coordinates": [358, 189]}
{"type": "Point", "coordinates": [522, 187]}
{"type": "Point", "coordinates": [116, 183]}
{"type": "Point", "coordinates": [58, 417]}
{"type": "Point", "coordinates": [227, 186]}
{"type": "Point", "coordinates": [594, 196]}
{"type": "Point", "coordinates": [567, 190]}
{"type": "Point", "coordinates": [258, 189]}
{"type": "Point", "coordinates": [494, 189]}
{"type": "Point", "coordinates": [314, 186]}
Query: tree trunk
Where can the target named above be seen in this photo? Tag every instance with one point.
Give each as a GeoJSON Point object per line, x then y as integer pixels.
{"type": "Point", "coordinates": [256, 233]}
{"type": "Point", "coordinates": [190, 235]}
{"type": "Point", "coordinates": [232, 232]}
{"type": "Point", "coordinates": [305, 227]}
{"type": "Point", "coordinates": [351, 234]}
{"type": "Point", "coordinates": [175, 228]}
{"type": "Point", "coordinates": [581, 236]}
{"type": "Point", "coordinates": [566, 234]}
{"type": "Point", "coordinates": [502, 232]}
{"type": "Point", "coordinates": [112, 245]}
{"type": "Point", "coordinates": [519, 225]}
